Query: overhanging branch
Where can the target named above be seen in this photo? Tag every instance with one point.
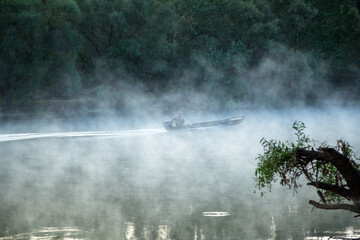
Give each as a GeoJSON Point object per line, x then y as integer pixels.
{"type": "Point", "coordinates": [305, 156]}
{"type": "Point", "coordinates": [344, 166]}
{"type": "Point", "coordinates": [341, 206]}
{"type": "Point", "coordinates": [342, 191]}
{"type": "Point", "coordinates": [340, 161]}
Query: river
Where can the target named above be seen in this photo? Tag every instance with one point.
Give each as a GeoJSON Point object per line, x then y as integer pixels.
{"type": "Point", "coordinates": [153, 184]}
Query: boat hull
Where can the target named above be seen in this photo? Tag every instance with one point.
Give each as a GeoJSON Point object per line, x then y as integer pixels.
{"type": "Point", "coordinates": [218, 123]}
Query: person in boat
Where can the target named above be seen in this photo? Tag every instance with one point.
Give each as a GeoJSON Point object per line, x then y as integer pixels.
{"type": "Point", "coordinates": [177, 121]}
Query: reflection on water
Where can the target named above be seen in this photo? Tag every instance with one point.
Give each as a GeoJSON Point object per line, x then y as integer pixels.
{"type": "Point", "coordinates": [215, 214]}
{"type": "Point", "coordinates": [50, 233]}
{"type": "Point", "coordinates": [130, 231]}
{"type": "Point", "coordinates": [193, 185]}
{"type": "Point", "coordinates": [163, 233]}
{"type": "Point", "coordinates": [349, 233]}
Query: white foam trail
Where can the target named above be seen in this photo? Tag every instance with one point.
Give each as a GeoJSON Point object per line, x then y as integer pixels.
{"type": "Point", "coordinates": [123, 133]}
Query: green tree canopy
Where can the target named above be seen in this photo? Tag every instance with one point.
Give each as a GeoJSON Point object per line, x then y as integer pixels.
{"type": "Point", "coordinates": [38, 49]}
{"type": "Point", "coordinates": [74, 48]}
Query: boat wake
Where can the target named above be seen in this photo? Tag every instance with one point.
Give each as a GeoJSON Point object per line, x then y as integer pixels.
{"type": "Point", "coordinates": [123, 133]}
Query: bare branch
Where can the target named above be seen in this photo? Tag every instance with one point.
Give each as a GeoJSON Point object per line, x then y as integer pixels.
{"type": "Point", "coordinates": [321, 196]}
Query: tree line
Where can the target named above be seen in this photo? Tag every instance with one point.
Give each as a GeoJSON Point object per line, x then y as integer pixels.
{"type": "Point", "coordinates": [70, 49]}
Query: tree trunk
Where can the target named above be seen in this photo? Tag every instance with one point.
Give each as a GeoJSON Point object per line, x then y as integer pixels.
{"type": "Point", "coordinates": [345, 167]}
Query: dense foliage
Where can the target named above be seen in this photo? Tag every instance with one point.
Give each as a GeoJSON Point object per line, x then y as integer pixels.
{"type": "Point", "coordinates": [279, 160]}
{"type": "Point", "coordinates": [329, 170]}
{"type": "Point", "coordinates": [69, 49]}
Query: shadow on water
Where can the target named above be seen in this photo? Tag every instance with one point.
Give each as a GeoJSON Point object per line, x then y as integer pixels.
{"type": "Point", "coordinates": [193, 185]}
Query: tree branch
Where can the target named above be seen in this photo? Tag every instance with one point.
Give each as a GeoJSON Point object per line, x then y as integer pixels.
{"type": "Point", "coordinates": [342, 191]}
{"type": "Point", "coordinates": [305, 156]}
{"type": "Point", "coordinates": [348, 207]}
{"type": "Point", "coordinates": [344, 166]}
{"type": "Point", "coordinates": [340, 161]}
{"type": "Point", "coordinates": [321, 196]}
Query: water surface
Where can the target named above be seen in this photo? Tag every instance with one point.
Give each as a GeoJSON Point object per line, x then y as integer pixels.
{"type": "Point", "coordinates": [152, 184]}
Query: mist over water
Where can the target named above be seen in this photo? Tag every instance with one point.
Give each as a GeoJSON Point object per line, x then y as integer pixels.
{"type": "Point", "coordinates": [96, 79]}
{"type": "Point", "coordinates": [110, 179]}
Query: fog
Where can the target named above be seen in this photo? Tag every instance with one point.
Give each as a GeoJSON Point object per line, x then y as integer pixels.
{"type": "Point", "coordinates": [125, 177]}
{"type": "Point", "coordinates": [84, 155]}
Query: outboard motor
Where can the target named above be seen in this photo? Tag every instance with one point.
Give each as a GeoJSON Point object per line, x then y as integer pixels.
{"type": "Point", "coordinates": [168, 125]}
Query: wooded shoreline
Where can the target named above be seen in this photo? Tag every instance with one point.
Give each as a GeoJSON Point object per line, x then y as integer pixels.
{"type": "Point", "coordinates": [262, 51]}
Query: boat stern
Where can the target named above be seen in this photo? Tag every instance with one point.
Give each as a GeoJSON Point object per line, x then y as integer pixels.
{"type": "Point", "coordinates": [168, 125]}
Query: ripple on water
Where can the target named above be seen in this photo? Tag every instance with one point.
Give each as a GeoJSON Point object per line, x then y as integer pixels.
{"type": "Point", "coordinates": [215, 214]}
